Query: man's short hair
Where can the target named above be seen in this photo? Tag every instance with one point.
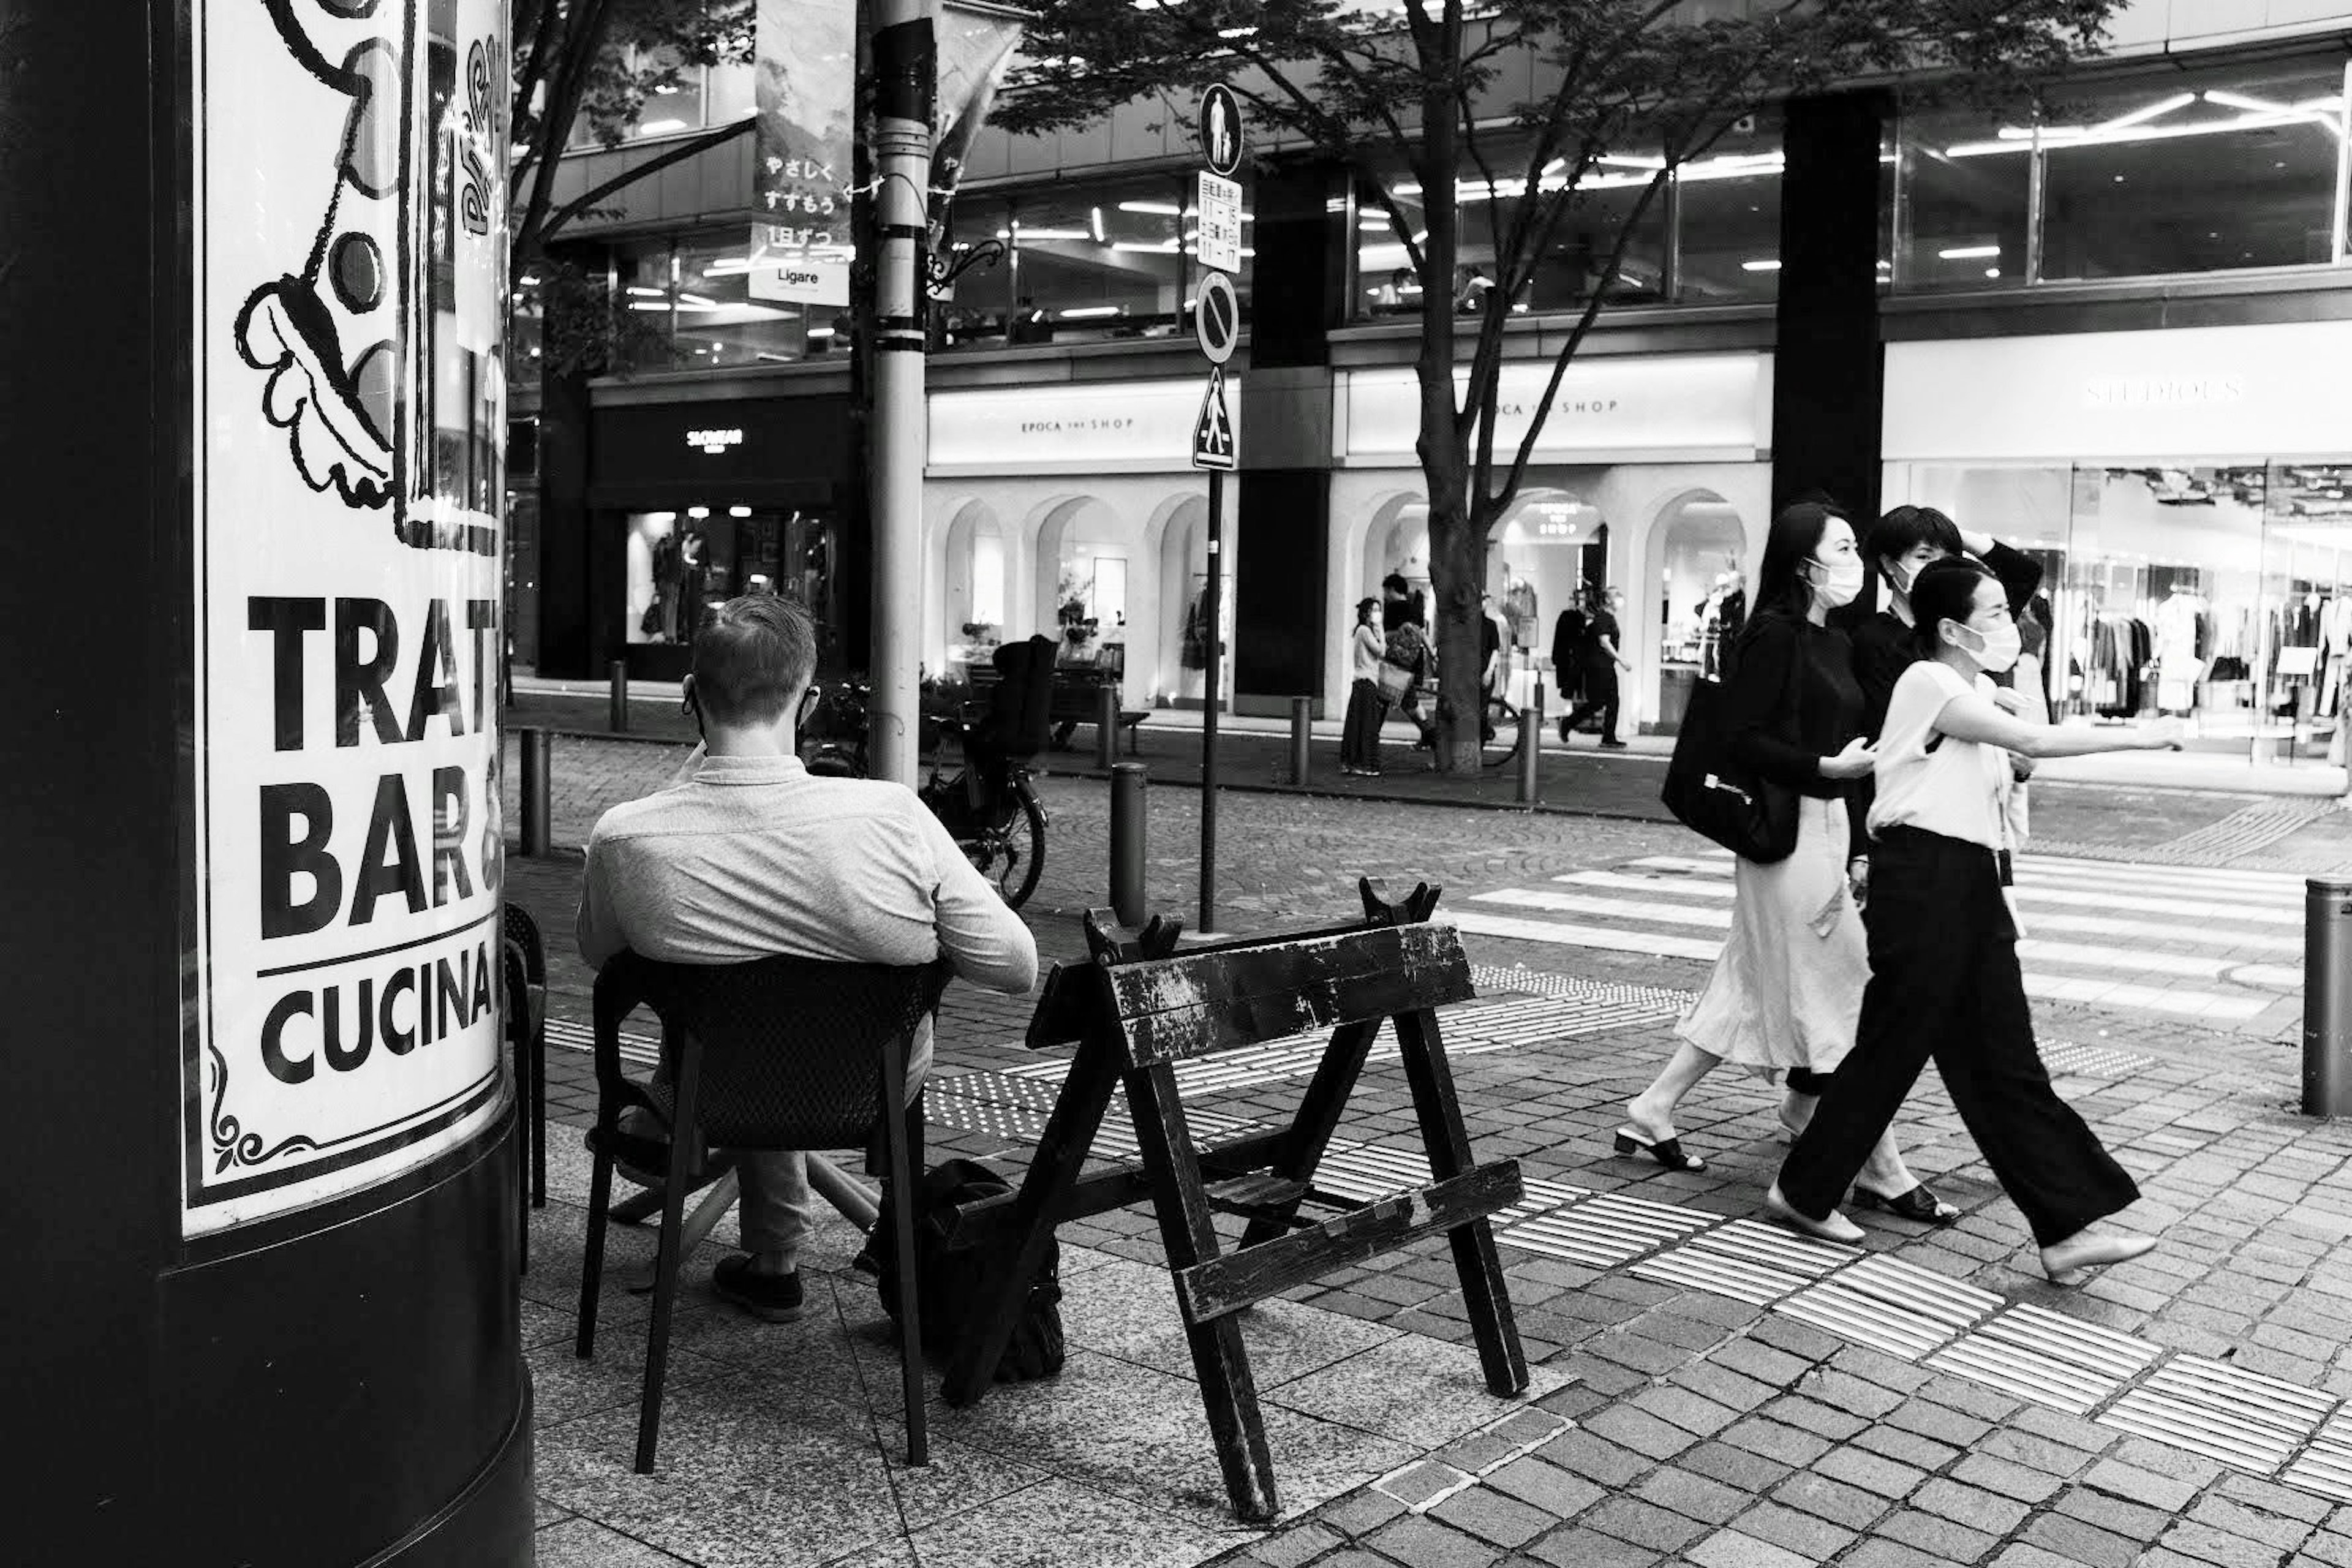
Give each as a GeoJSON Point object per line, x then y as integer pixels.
{"type": "Point", "coordinates": [752, 657]}
{"type": "Point", "coordinates": [1907, 527]}
{"type": "Point", "coordinates": [1394, 584]}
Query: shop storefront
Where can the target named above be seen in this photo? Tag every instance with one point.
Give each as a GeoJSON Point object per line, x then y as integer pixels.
{"type": "Point", "coordinates": [694, 502]}
{"type": "Point", "coordinates": [1072, 510]}
{"type": "Point", "coordinates": [1649, 476]}
{"type": "Point", "coordinates": [2190, 495]}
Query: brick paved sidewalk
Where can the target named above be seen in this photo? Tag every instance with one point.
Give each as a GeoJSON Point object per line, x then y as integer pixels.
{"type": "Point", "coordinates": [1930, 1401]}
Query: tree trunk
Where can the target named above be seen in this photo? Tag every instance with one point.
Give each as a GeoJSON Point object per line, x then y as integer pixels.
{"type": "Point", "coordinates": [1457, 571]}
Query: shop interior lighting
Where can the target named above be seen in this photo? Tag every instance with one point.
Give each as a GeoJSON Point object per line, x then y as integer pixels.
{"type": "Point", "coordinates": [661, 127]}
{"type": "Point", "coordinates": [1099, 234]}
{"type": "Point", "coordinates": [1768, 264]}
{"type": "Point", "coordinates": [726, 264]}
{"type": "Point", "coordinates": [1086, 312]}
{"type": "Point", "coordinates": [738, 511]}
{"type": "Point", "coordinates": [1028, 235]}
{"type": "Point", "coordinates": [1969, 253]}
{"type": "Point", "coordinates": [698, 511]}
{"type": "Point", "coordinates": [1155, 246]}
{"type": "Point", "coordinates": [648, 304]}
{"type": "Point", "coordinates": [1156, 209]}
{"type": "Point", "coordinates": [2255, 114]}
{"type": "Point", "coordinates": [819, 333]}
{"type": "Point", "coordinates": [646, 290]}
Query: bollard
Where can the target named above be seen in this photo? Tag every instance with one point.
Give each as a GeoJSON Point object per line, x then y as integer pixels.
{"type": "Point", "coordinates": [1302, 731]}
{"type": "Point", "coordinates": [618, 671]}
{"type": "Point", "coordinates": [538, 828]}
{"type": "Point", "coordinates": [2326, 997]}
{"type": "Point", "coordinates": [1127, 830]}
{"type": "Point", "coordinates": [1107, 725]}
{"type": "Point", "coordinates": [1530, 743]}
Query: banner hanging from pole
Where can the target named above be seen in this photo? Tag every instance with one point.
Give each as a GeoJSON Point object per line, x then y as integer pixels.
{"type": "Point", "coordinates": [805, 54]}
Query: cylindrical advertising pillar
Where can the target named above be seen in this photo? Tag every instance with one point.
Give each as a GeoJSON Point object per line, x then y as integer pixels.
{"type": "Point", "coordinates": [264, 1190]}
{"type": "Point", "coordinates": [2326, 997]}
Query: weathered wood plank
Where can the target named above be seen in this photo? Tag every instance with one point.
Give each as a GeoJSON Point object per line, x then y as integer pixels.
{"type": "Point", "coordinates": [1198, 1006]}
{"type": "Point", "coordinates": [1486, 1294]}
{"type": "Point", "coordinates": [1187, 1231]}
{"type": "Point", "coordinates": [1319, 1110]}
{"type": "Point", "coordinates": [1211, 1289]}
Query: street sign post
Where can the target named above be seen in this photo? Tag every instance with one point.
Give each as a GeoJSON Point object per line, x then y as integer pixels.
{"type": "Point", "coordinates": [1216, 326]}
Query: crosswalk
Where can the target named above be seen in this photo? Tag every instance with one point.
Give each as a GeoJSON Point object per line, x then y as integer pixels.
{"type": "Point", "coordinates": [2188, 941]}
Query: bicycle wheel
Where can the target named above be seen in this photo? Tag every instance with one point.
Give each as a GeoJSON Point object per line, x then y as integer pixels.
{"type": "Point", "coordinates": [1499, 734]}
{"type": "Point", "coordinates": [1022, 851]}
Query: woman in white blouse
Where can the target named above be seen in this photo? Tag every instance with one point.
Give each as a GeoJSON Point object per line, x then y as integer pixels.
{"type": "Point", "coordinates": [1944, 978]}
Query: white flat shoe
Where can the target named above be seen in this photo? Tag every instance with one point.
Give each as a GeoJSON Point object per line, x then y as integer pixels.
{"type": "Point", "coordinates": [1836, 1227]}
{"type": "Point", "coordinates": [2087, 1251]}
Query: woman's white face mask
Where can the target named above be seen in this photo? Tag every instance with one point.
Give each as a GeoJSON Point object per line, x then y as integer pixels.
{"type": "Point", "coordinates": [1996, 649]}
{"type": "Point", "coordinates": [1837, 582]}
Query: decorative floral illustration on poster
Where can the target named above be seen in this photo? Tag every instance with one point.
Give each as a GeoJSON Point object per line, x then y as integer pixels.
{"type": "Point", "coordinates": [350, 270]}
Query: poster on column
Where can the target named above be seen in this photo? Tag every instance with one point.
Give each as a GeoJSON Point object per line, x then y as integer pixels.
{"type": "Point", "coordinates": [805, 56]}
{"type": "Point", "coordinates": [340, 1021]}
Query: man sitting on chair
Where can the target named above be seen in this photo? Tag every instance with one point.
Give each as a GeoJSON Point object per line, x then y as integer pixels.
{"type": "Point", "coordinates": [746, 856]}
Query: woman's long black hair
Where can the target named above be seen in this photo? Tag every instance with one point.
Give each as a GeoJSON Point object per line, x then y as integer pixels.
{"type": "Point", "coordinates": [1795, 534]}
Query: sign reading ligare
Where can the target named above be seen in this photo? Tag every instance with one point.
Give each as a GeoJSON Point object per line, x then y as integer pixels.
{"type": "Point", "coordinates": [342, 1024]}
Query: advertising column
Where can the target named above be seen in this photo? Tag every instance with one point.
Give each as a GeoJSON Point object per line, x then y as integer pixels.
{"type": "Point", "coordinates": [267, 1189]}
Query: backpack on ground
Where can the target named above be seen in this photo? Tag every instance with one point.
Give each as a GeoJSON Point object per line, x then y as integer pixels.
{"type": "Point", "coordinates": [948, 1284]}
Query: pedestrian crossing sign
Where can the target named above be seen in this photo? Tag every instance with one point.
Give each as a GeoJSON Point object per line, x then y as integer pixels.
{"type": "Point", "coordinates": [1212, 433]}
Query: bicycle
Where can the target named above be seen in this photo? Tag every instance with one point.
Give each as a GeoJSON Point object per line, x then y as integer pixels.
{"type": "Point", "coordinates": [988, 807]}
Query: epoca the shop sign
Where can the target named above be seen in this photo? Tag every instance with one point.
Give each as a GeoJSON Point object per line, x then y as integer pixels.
{"type": "Point", "coordinates": [340, 1023]}
{"type": "Point", "coordinates": [1607, 409]}
{"type": "Point", "coordinates": [1128, 426]}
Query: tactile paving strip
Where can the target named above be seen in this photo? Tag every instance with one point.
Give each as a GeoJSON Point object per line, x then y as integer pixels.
{"type": "Point", "coordinates": [2092, 1061]}
{"type": "Point", "coordinates": [2047, 1357]}
{"type": "Point", "coordinates": [1749, 1262]}
{"type": "Point", "coordinates": [2326, 1465]}
{"type": "Point", "coordinates": [1605, 1230]}
{"type": "Point", "coordinates": [2242, 1419]}
{"type": "Point", "coordinates": [643, 1049]}
{"type": "Point", "coordinates": [1893, 1307]}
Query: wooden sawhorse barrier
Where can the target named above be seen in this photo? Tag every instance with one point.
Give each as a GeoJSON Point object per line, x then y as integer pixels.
{"type": "Point", "coordinates": [1138, 1010]}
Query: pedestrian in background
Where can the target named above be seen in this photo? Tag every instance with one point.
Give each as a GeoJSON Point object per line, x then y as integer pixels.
{"type": "Point", "coordinates": [1407, 667]}
{"type": "Point", "coordinates": [1368, 705]}
{"type": "Point", "coordinates": [1786, 994]}
{"type": "Point", "coordinates": [1944, 978]}
{"type": "Point", "coordinates": [1601, 662]}
{"type": "Point", "coordinates": [1567, 632]}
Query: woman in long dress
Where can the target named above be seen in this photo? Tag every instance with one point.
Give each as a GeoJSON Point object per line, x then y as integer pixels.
{"type": "Point", "coordinates": [1787, 992]}
{"type": "Point", "coordinates": [1944, 978]}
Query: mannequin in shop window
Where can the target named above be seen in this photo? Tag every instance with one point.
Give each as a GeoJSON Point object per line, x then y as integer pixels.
{"type": "Point", "coordinates": [2179, 628]}
{"type": "Point", "coordinates": [1568, 634]}
{"type": "Point", "coordinates": [669, 581]}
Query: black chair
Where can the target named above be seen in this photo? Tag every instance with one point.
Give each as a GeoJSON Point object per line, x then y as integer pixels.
{"type": "Point", "coordinates": [525, 974]}
{"type": "Point", "coordinates": [781, 1053]}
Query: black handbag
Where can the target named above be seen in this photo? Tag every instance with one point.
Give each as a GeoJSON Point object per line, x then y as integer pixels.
{"type": "Point", "coordinates": [1714, 796]}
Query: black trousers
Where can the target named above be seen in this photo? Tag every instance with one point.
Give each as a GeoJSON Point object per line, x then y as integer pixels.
{"type": "Point", "coordinates": [1600, 697]}
{"type": "Point", "coordinates": [1945, 985]}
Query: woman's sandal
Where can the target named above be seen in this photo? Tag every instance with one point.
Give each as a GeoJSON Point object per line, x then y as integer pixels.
{"type": "Point", "coordinates": [1919, 1204]}
{"type": "Point", "coordinates": [1666, 1152]}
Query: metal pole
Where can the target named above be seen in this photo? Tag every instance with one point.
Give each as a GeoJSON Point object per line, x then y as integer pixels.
{"type": "Point", "coordinates": [1107, 725]}
{"type": "Point", "coordinates": [2327, 997]}
{"type": "Point", "coordinates": [904, 84]}
{"type": "Point", "coordinates": [1213, 697]}
{"type": "Point", "coordinates": [617, 673]}
{"type": "Point", "coordinates": [538, 832]}
{"type": "Point", "coordinates": [1530, 743]}
{"type": "Point", "coordinates": [1128, 821]}
{"type": "Point", "coordinates": [1302, 732]}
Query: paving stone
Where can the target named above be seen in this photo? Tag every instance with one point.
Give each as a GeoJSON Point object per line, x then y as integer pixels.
{"type": "Point", "coordinates": [1940, 1422]}
{"type": "Point", "coordinates": [2024, 1555]}
{"type": "Point", "coordinates": [1644, 1524]}
{"type": "Point", "coordinates": [2204, 1543]}
{"type": "Point", "coordinates": [1989, 1511]}
{"type": "Point", "coordinates": [1797, 1338]}
{"type": "Point", "coordinates": [2235, 1518]}
{"type": "Point", "coordinates": [1806, 1534]}
{"type": "Point", "coordinates": [1546, 1486]}
{"type": "Point", "coordinates": [1596, 1458]}
{"type": "Point", "coordinates": [1928, 1532]}
{"type": "Point", "coordinates": [1690, 1412]}
{"type": "Point", "coordinates": [1833, 1500]}
{"type": "Point", "coordinates": [2273, 1498]}
{"type": "Point", "coordinates": [2003, 1476]}
{"type": "Point", "coordinates": [1822, 1420]}
{"type": "Point", "coordinates": [1725, 1386]}
{"type": "Point", "coordinates": [1845, 1391]}
{"type": "Point", "coordinates": [1730, 1549]}
{"type": "Point", "coordinates": [1753, 1358]}
{"type": "Point", "coordinates": [2081, 1543]}
{"type": "Point", "coordinates": [1494, 1516]}
{"type": "Point", "coordinates": [2129, 1519]}
{"type": "Point", "coordinates": [1734, 1467]}
{"type": "Point", "coordinates": [1790, 1446]}
{"type": "Point", "coordinates": [1692, 1494]}
{"type": "Point", "coordinates": [1577, 1547]}
{"type": "Point", "coordinates": [1300, 1543]}
{"type": "Point", "coordinates": [2166, 1494]}
{"type": "Point", "coordinates": [1890, 1554]}
{"type": "Point", "coordinates": [1640, 1431]}
{"type": "Point", "coordinates": [1360, 1512]}
{"type": "Point", "coordinates": [1906, 1447]}
{"type": "Point", "coordinates": [1872, 1472]}
{"type": "Point", "coordinates": [1424, 1543]}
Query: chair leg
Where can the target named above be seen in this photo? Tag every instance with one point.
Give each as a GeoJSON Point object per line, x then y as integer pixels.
{"type": "Point", "coordinates": [592, 1264]}
{"type": "Point", "coordinates": [682, 1154]}
{"type": "Point", "coordinates": [901, 1130]}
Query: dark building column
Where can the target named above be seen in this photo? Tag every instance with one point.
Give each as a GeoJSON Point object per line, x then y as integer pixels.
{"type": "Point", "coordinates": [567, 644]}
{"type": "Point", "coordinates": [1298, 283]}
{"type": "Point", "coordinates": [1829, 366]}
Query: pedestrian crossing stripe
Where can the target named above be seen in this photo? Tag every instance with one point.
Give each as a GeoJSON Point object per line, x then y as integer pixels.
{"type": "Point", "coordinates": [2094, 931]}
